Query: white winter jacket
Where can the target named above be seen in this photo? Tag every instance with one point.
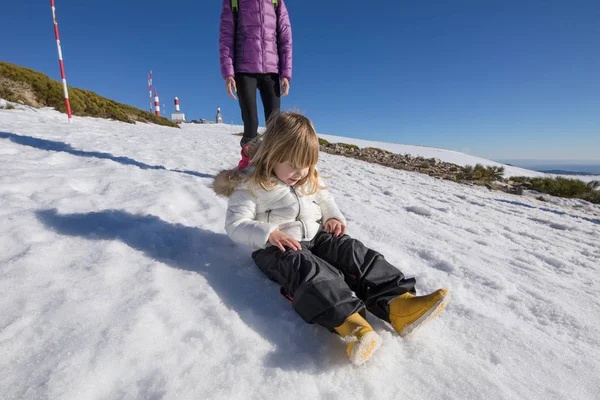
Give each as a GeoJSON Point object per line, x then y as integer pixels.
{"type": "Point", "coordinates": [253, 215]}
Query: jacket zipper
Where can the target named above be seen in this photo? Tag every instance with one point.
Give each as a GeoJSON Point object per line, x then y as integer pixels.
{"type": "Point", "coordinates": [304, 229]}
{"type": "Point", "coordinates": [269, 216]}
{"type": "Point", "coordinates": [262, 35]}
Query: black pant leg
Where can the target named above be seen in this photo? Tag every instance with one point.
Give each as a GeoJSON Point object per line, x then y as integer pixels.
{"type": "Point", "coordinates": [246, 91]}
{"type": "Point", "coordinates": [270, 93]}
{"type": "Point", "coordinates": [320, 294]}
{"type": "Point", "coordinates": [368, 274]}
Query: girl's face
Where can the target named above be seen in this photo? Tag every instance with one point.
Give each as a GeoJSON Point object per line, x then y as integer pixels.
{"type": "Point", "coordinates": [286, 173]}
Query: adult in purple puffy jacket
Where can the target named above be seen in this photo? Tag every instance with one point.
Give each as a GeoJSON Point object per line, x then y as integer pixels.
{"type": "Point", "coordinates": [256, 54]}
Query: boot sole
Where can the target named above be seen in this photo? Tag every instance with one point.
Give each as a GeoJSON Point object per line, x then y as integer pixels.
{"type": "Point", "coordinates": [427, 317]}
{"type": "Point", "coordinates": [365, 348]}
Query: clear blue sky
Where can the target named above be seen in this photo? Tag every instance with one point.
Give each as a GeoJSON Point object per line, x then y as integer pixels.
{"type": "Point", "coordinates": [501, 79]}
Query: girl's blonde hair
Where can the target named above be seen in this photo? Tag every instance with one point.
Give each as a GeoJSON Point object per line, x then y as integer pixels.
{"type": "Point", "coordinates": [289, 137]}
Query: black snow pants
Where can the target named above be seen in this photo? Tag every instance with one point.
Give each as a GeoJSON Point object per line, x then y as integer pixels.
{"type": "Point", "coordinates": [322, 277]}
{"type": "Point", "coordinates": [270, 94]}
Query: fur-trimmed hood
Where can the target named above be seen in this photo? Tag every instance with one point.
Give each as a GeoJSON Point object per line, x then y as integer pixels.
{"type": "Point", "coordinates": [228, 180]}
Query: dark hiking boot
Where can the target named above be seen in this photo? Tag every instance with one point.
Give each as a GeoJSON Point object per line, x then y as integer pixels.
{"type": "Point", "coordinates": [249, 146]}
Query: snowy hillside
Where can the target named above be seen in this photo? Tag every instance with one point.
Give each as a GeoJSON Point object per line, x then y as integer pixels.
{"type": "Point", "coordinates": [118, 281]}
{"type": "Point", "coordinates": [450, 156]}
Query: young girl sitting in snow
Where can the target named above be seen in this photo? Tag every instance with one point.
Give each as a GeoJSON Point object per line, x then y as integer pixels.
{"type": "Point", "coordinates": [280, 208]}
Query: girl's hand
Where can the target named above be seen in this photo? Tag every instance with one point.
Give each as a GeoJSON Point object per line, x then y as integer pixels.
{"type": "Point", "coordinates": [335, 227]}
{"type": "Point", "coordinates": [285, 85]}
{"type": "Point", "coordinates": [281, 239]}
{"type": "Point", "coordinates": [231, 87]}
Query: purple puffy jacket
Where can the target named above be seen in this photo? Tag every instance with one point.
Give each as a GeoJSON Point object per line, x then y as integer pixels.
{"type": "Point", "coordinates": [256, 40]}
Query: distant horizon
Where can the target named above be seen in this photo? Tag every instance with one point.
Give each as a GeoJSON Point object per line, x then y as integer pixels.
{"type": "Point", "coordinates": [574, 166]}
{"type": "Point", "coordinates": [552, 160]}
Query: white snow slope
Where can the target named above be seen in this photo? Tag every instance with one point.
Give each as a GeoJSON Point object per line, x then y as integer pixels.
{"type": "Point", "coordinates": [117, 280]}
{"type": "Point", "coordinates": [451, 156]}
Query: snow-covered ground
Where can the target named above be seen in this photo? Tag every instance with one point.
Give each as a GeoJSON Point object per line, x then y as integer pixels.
{"type": "Point", "coordinates": [118, 281]}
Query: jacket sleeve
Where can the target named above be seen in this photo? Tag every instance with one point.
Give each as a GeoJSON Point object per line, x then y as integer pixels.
{"type": "Point", "coordinates": [227, 40]}
{"type": "Point", "coordinates": [329, 208]}
{"type": "Point", "coordinates": [241, 224]}
{"type": "Point", "coordinates": [284, 42]}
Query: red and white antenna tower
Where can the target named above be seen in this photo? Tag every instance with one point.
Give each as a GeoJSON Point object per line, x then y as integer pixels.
{"type": "Point", "coordinates": [150, 88]}
{"type": "Point", "coordinates": [156, 103]}
{"type": "Point", "coordinates": [60, 62]}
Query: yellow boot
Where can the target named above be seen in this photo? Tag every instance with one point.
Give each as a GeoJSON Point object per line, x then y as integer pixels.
{"type": "Point", "coordinates": [362, 340]}
{"type": "Point", "coordinates": [409, 312]}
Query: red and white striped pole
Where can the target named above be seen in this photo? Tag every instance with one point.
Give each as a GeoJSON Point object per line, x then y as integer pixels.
{"type": "Point", "coordinates": [150, 89]}
{"type": "Point", "coordinates": [60, 62]}
{"type": "Point", "coordinates": [176, 104]}
{"type": "Point", "coordinates": [156, 103]}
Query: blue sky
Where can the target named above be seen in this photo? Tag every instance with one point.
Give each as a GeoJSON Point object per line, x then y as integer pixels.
{"type": "Point", "coordinates": [500, 79]}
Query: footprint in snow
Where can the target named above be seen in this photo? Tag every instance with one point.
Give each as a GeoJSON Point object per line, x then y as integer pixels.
{"type": "Point", "coordinates": [554, 225]}
{"type": "Point", "coordinates": [477, 203]}
{"type": "Point", "coordinates": [495, 358]}
{"type": "Point", "coordinates": [553, 262]}
{"type": "Point", "coordinates": [419, 210]}
{"type": "Point", "coordinates": [444, 266]}
{"type": "Point", "coordinates": [426, 255]}
{"type": "Point", "coordinates": [437, 263]}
